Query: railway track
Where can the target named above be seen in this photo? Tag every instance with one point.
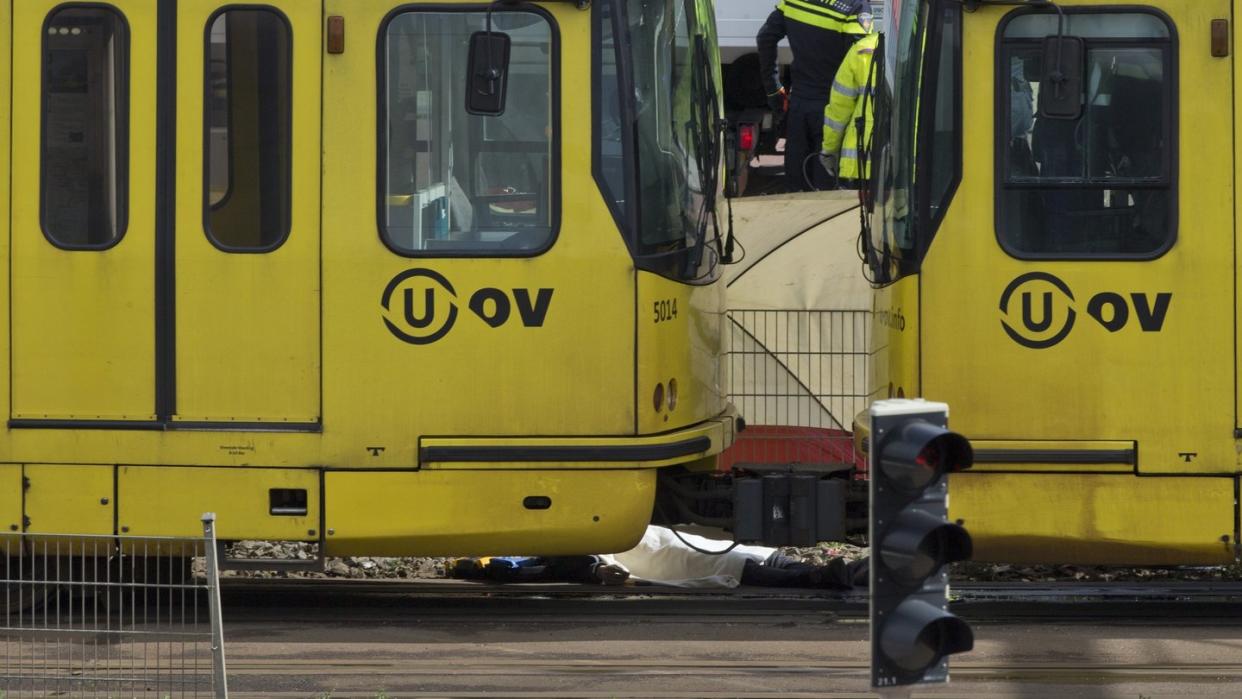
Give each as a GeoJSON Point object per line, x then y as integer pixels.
{"type": "Point", "coordinates": [966, 678]}
{"type": "Point", "coordinates": [416, 678]}
{"type": "Point", "coordinates": [355, 639]}
{"type": "Point", "coordinates": [1182, 602]}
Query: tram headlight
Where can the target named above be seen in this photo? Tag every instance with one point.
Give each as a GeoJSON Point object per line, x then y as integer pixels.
{"type": "Point", "coordinates": [658, 399]}
{"type": "Point", "coordinates": [672, 394]}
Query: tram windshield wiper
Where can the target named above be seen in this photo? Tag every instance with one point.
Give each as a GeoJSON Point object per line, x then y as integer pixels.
{"type": "Point", "coordinates": [707, 129]}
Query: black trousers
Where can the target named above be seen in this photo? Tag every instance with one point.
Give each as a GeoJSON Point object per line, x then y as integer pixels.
{"type": "Point", "coordinates": [804, 134]}
{"type": "Point", "coordinates": [782, 571]}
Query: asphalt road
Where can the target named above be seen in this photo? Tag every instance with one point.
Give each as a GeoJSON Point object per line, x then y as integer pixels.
{"type": "Point", "coordinates": [346, 646]}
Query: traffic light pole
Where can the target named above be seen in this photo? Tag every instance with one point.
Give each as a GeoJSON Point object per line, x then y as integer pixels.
{"type": "Point", "coordinates": [912, 542]}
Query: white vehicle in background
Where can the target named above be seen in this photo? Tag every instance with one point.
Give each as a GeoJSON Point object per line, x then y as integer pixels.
{"type": "Point", "coordinates": [737, 23]}
{"type": "Point", "coordinates": [753, 126]}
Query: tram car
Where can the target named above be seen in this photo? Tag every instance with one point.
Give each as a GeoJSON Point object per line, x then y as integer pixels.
{"type": "Point", "coordinates": [1054, 235]}
{"type": "Point", "coordinates": [397, 279]}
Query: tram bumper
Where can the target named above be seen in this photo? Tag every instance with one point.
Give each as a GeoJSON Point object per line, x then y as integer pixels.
{"type": "Point", "coordinates": [695, 443]}
{"type": "Point", "coordinates": [1085, 502]}
{"type": "Point", "coordinates": [514, 495]}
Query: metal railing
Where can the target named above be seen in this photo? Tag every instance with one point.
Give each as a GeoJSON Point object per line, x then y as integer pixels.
{"type": "Point", "coordinates": [111, 616]}
{"type": "Point", "coordinates": [798, 378]}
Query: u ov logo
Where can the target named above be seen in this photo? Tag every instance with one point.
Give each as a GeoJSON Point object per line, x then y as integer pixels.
{"type": "Point", "coordinates": [1045, 311]}
{"type": "Point", "coordinates": [420, 306]}
{"type": "Point", "coordinates": [419, 322]}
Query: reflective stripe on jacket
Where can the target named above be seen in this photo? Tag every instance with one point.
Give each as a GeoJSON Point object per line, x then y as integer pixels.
{"type": "Point", "coordinates": [850, 91]}
{"type": "Point", "coordinates": [833, 15]}
{"type": "Point", "coordinates": [818, 41]}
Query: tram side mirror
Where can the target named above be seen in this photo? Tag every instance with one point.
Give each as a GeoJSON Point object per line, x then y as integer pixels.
{"type": "Point", "coordinates": [487, 73]}
{"type": "Point", "coordinates": [1061, 80]}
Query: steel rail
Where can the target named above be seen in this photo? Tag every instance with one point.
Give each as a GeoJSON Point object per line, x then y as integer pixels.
{"type": "Point", "coordinates": [479, 673]}
{"type": "Point", "coordinates": [425, 614]}
{"type": "Point", "coordinates": [260, 598]}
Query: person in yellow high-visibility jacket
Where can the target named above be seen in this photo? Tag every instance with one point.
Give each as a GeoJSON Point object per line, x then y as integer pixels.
{"type": "Point", "coordinates": [820, 33]}
{"type": "Point", "coordinates": [851, 103]}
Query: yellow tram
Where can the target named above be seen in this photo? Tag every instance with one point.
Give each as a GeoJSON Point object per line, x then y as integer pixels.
{"type": "Point", "coordinates": [272, 261]}
{"type": "Point", "coordinates": [1055, 238]}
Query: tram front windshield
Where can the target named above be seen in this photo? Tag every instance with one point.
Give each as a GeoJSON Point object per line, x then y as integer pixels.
{"type": "Point", "coordinates": [669, 118]}
{"type": "Point", "coordinates": [673, 44]}
{"type": "Point", "coordinates": [917, 136]}
{"type": "Point", "coordinates": [895, 135]}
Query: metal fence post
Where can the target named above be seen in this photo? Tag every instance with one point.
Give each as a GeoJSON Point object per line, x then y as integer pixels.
{"type": "Point", "coordinates": [219, 676]}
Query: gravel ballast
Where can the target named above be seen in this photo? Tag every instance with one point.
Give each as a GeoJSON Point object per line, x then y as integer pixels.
{"type": "Point", "coordinates": [383, 568]}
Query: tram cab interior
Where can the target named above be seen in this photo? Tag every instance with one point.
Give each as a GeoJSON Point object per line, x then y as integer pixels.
{"type": "Point", "coordinates": [473, 181]}
{"type": "Point", "coordinates": [1117, 137]}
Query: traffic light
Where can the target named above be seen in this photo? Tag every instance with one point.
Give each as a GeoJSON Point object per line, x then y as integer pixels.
{"type": "Point", "coordinates": [912, 631]}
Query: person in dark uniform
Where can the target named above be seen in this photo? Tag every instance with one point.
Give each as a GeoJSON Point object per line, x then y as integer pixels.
{"type": "Point", "coordinates": [820, 32]}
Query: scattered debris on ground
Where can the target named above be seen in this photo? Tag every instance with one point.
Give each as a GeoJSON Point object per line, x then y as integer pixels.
{"type": "Point", "coordinates": [1003, 572]}
{"type": "Point", "coordinates": [359, 567]}
{"type": "Point", "coordinates": [973, 571]}
{"type": "Point", "coordinates": [821, 553]}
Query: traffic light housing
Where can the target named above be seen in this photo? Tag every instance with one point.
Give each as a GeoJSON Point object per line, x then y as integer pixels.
{"type": "Point", "coordinates": [912, 632]}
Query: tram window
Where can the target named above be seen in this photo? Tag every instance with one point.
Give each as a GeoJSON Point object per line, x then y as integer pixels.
{"type": "Point", "coordinates": [85, 131]}
{"type": "Point", "coordinates": [1100, 185]}
{"type": "Point", "coordinates": [944, 161]}
{"type": "Point", "coordinates": [248, 126]}
{"type": "Point", "coordinates": [677, 109]}
{"type": "Point", "coordinates": [609, 134]}
{"type": "Point", "coordinates": [457, 183]}
{"type": "Point", "coordinates": [667, 157]}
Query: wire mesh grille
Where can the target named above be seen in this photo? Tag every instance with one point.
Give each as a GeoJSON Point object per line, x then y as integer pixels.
{"type": "Point", "coordinates": [105, 616]}
{"type": "Point", "coordinates": [798, 378]}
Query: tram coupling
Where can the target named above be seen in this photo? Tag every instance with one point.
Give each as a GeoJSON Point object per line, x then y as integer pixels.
{"type": "Point", "coordinates": [768, 504]}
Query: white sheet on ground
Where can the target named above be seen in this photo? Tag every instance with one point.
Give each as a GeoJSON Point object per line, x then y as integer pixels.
{"type": "Point", "coordinates": [660, 557]}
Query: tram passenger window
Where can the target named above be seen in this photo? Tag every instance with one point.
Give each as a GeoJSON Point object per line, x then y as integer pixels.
{"type": "Point", "coordinates": [248, 130]}
{"type": "Point", "coordinates": [459, 183]}
{"type": "Point", "coordinates": [84, 137]}
{"type": "Point", "coordinates": [1100, 185]}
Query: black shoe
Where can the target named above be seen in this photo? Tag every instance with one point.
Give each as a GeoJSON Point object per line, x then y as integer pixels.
{"type": "Point", "coordinates": [859, 572]}
{"type": "Point", "coordinates": [609, 574]}
{"type": "Point", "coordinates": [465, 569]}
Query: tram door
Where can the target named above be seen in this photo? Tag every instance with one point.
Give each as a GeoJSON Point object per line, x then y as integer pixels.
{"type": "Point", "coordinates": [165, 213]}
{"type": "Point", "coordinates": [247, 265]}
{"type": "Point", "coordinates": [1114, 238]}
{"type": "Point", "coordinates": [83, 233]}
